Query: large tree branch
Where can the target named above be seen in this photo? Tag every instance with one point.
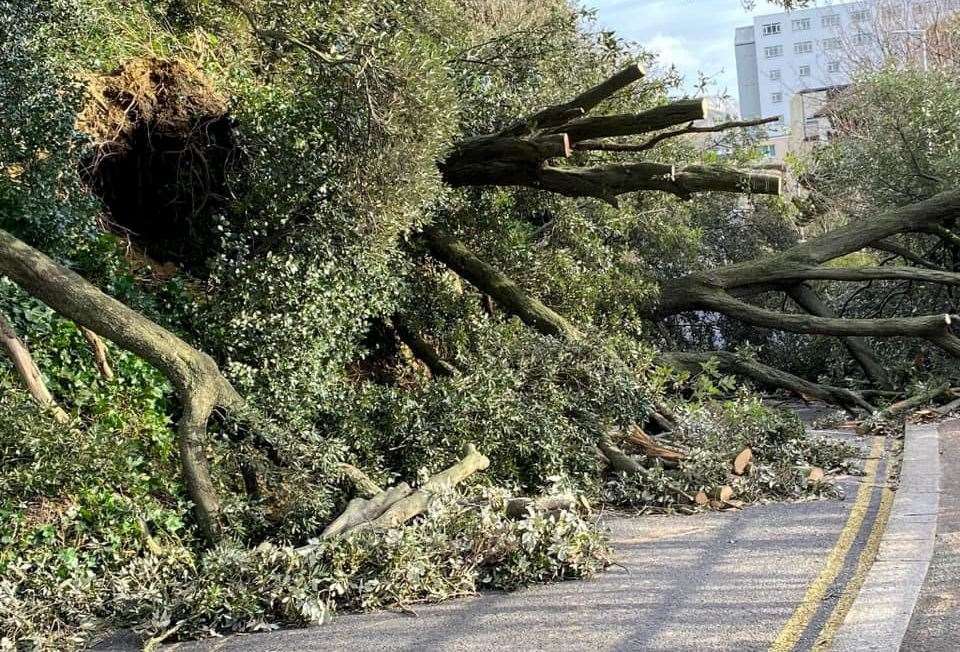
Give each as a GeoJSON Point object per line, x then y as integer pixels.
{"type": "Point", "coordinates": [23, 362]}
{"type": "Point", "coordinates": [890, 273]}
{"type": "Point", "coordinates": [805, 297]}
{"type": "Point", "coordinates": [763, 375]}
{"type": "Point", "coordinates": [607, 182]}
{"type": "Point", "coordinates": [578, 106]}
{"type": "Point", "coordinates": [903, 252]}
{"type": "Point", "coordinates": [498, 285]}
{"type": "Point", "coordinates": [628, 124]}
{"type": "Point", "coordinates": [193, 374]}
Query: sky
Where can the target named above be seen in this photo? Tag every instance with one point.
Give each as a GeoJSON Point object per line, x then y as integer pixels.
{"type": "Point", "coordinates": [694, 35]}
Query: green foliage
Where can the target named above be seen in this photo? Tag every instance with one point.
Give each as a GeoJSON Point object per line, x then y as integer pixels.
{"type": "Point", "coordinates": [454, 552]}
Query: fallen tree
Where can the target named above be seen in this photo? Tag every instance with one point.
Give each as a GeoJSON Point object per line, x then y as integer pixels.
{"type": "Point", "coordinates": [727, 290]}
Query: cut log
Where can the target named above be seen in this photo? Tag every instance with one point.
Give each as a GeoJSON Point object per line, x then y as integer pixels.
{"type": "Point", "coordinates": [360, 511]}
{"type": "Point", "coordinates": [742, 461]}
{"type": "Point", "coordinates": [419, 501]}
{"type": "Point", "coordinates": [398, 504]}
{"type": "Point", "coordinates": [578, 106]}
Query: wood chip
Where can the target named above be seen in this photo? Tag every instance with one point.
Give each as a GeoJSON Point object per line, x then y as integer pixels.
{"type": "Point", "coordinates": [701, 499]}
{"type": "Point", "coordinates": [742, 462]}
{"type": "Point", "coordinates": [815, 475]}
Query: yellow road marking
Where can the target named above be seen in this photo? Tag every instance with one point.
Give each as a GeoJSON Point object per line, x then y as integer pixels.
{"type": "Point", "coordinates": [852, 587]}
{"type": "Point", "coordinates": [807, 609]}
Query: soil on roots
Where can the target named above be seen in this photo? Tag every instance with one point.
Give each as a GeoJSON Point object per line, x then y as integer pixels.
{"type": "Point", "coordinates": [163, 146]}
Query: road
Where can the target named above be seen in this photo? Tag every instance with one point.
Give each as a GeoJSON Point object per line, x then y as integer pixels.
{"type": "Point", "coordinates": [767, 577]}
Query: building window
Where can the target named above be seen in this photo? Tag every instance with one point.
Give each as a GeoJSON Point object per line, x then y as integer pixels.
{"type": "Point", "coordinates": [859, 15]}
{"type": "Point", "coordinates": [830, 20]}
{"type": "Point", "coordinates": [861, 38]}
{"type": "Point", "coordinates": [804, 71]}
{"type": "Point", "coordinates": [773, 51]}
{"type": "Point", "coordinates": [768, 151]}
{"type": "Point", "coordinates": [776, 98]}
{"type": "Point", "coordinates": [775, 74]}
{"type": "Point", "coordinates": [801, 24]}
{"type": "Point", "coordinates": [833, 66]}
{"type": "Point", "coordinates": [831, 44]}
{"type": "Point", "coordinates": [812, 122]}
{"type": "Point", "coordinates": [803, 47]}
{"type": "Point", "coordinates": [771, 28]}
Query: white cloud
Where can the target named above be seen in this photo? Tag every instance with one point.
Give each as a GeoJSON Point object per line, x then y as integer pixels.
{"type": "Point", "coordinates": [671, 50]}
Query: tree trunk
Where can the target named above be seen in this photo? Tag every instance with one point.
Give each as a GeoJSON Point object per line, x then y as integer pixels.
{"type": "Point", "coordinates": [193, 374]}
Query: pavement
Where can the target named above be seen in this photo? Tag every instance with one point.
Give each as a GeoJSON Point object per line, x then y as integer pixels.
{"type": "Point", "coordinates": [935, 624]}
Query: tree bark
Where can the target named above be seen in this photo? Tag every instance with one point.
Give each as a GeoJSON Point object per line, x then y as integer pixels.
{"type": "Point", "coordinates": [580, 105]}
{"type": "Point", "coordinates": [607, 182]}
{"type": "Point", "coordinates": [193, 374]}
{"type": "Point", "coordinates": [423, 350]}
{"type": "Point", "coordinates": [23, 362]}
{"type": "Point", "coordinates": [608, 126]}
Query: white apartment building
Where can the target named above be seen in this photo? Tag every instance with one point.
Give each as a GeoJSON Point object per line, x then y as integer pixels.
{"type": "Point", "coordinates": [783, 54]}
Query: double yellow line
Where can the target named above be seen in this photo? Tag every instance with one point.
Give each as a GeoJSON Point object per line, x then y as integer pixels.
{"type": "Point", "coordinates": [817, 591]}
